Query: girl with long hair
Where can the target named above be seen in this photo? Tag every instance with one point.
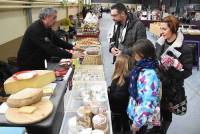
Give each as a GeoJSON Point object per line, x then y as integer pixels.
{"type": "Point", "coordinates": [119, 95]}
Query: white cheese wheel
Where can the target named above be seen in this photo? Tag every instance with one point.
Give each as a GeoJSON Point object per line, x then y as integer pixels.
{"type": "Point", "coordinates": [99, 121]}
{"type": "Point", "coordinates": [25, 97]}
{"type": "Point", "coordinates": [97, 131]}
{"type": "Point", "coordinates": [86, 131]}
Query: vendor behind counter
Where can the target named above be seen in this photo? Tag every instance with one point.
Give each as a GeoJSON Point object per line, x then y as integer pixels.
{"type": "Point", "coordinates": [40, 42]}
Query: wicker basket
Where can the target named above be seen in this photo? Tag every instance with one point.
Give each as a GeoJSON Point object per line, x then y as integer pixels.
{"type": "Point", "coordinates": [92, 60]}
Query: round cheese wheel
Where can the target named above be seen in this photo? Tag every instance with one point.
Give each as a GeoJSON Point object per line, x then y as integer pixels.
{"type": "Point", "coordinates": [93, 50]}
{"type": "Point", "coordinates": [99, 121]}
{"type": "Point", "coordinates": [96, 131]}
{"type": "Point", "coordinates": [25, 97]}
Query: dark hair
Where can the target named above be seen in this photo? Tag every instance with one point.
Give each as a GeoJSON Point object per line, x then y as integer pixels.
{"type": "Point", "coordinates": [144, 48]}
{"type": "Point", "coordinates": [172, 23]}
{"type": "Point", "coordinates": [127, 51]}
{"type": "Point", "coordinates": [119, 7]}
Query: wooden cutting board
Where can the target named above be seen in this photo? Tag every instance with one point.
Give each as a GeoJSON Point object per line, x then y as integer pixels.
{"type": "Point", "coordinates": [43, 109]}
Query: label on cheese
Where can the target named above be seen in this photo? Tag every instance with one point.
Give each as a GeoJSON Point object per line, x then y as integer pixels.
{"type": "Point", "coordinates": [47, 91]}
{"type": "Point", "coordinates": [27, 109]}
{"type": "Point", "coordinates": [23, 75]}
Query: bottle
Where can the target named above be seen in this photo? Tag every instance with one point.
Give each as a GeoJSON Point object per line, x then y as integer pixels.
{"type": "Point", "coordinates": [76, 63]}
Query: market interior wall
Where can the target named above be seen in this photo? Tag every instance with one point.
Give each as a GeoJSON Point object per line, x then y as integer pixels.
{"type": "Point", "coordinates": [13, 23]}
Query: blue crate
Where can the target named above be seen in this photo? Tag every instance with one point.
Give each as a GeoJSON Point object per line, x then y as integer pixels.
{"type": "Point", "coordinates": [12, 130]}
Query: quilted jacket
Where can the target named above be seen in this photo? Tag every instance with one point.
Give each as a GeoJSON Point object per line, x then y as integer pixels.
{"type": "Point", "coordinates": [141, 109]}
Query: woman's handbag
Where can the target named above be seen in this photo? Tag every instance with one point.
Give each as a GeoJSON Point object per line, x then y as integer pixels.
{"type": "Point", "coordinates": [178, 100]}
{"type": "Point", "coordinates": [179, 108]}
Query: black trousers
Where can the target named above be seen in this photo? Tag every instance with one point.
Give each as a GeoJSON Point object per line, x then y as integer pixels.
{"type": "Point", "coordinates": [142, 130]}
{"type": "Point", "coordinates": [166, 119]}
{"type": "Point", "coordinates": [166, 116]}
{"type": "Point", "coordinates": [120, 122]}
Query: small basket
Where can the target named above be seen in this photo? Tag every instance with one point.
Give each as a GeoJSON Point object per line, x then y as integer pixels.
{"type": "Point", "coordinates": [92, 60]}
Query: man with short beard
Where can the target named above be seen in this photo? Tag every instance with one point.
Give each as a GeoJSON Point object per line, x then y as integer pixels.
{"type": "Point", "coordinates": [127, 29]}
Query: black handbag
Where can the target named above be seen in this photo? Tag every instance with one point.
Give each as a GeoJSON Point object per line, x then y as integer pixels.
{"type": "Point", "coordinates": [177, 101]}
{"type": "Point", "coordinates": [180, 108]}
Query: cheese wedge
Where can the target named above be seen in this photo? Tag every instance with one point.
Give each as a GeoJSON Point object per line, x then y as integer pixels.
{"type": "Point", "coordinates": [25, 97]}
{"type": "Point", "coordinates": [42, 78]}
{"type": "Point", "coordinates": [27, 109]}
{"type": "Point", "coordinates": [47, 91]}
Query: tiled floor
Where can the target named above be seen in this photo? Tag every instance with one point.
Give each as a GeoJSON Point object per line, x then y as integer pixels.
{"type": "Point", "coordinates": [187, 124]}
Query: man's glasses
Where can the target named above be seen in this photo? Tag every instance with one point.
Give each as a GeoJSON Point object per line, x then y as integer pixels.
{"type": "Point", "coordinates": [114, 15]}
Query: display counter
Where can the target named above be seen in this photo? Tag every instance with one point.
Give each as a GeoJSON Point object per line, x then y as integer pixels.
{"type": "Point", "coordinates": [89, 91]}
{"type": "Point", "coordinates": [76, 100]}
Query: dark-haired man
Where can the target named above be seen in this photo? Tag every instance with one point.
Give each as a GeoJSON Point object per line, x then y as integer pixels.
{"type": "Point", "coordinates": [127, 29]}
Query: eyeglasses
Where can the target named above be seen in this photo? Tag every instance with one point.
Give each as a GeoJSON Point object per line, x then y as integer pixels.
{"type": "Point", "coordinates": [114, 15]}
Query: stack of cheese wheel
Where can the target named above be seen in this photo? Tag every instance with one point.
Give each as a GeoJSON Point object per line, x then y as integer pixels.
{"type": "Point", "coordinates": [27, 106]}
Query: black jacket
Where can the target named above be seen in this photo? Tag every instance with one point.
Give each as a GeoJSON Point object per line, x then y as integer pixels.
{"type": "Point", "coordinates": [5, 73]}
{"type": "Point", "coordinates": [135, 31]}
{"type": "Point", "coordinates": [172, 79]}
{"type": "Point", "coordinates": [38, 44]}
{"type": "Point", "coordinates": [119, 96]}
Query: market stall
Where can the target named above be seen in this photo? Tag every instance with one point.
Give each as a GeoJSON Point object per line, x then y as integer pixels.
{"type": "Point", "coordinates": [88, 30]}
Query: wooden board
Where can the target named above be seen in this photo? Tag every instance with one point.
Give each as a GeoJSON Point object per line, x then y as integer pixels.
{"type": "Point", "coordinates": [44, 109]}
